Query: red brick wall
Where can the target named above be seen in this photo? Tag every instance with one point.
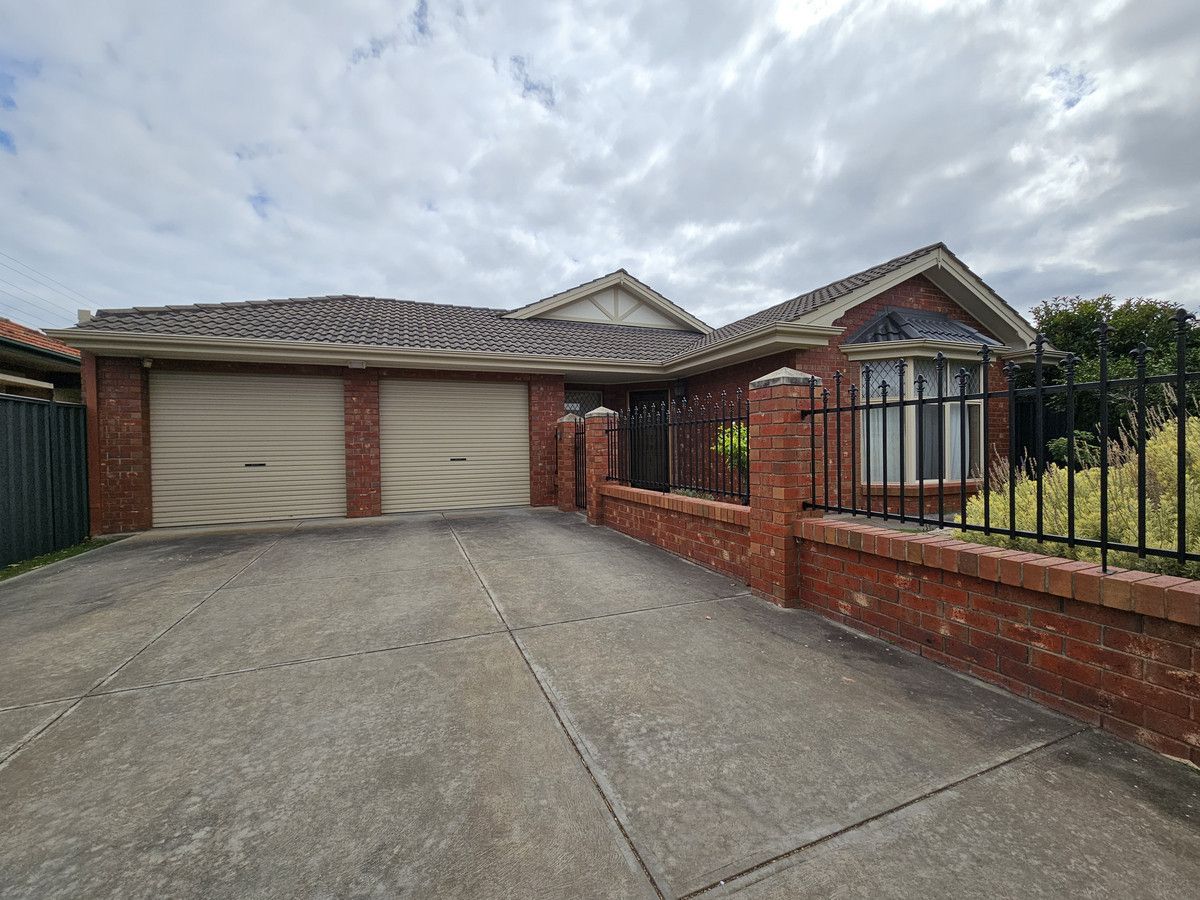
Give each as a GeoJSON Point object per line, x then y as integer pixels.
{"type": "Point", "coordinates": [120, 482]}
{"type": "Point", "coordinates": [1120, 651]}
{"type": "Point", "coordinates": [361, 409]}
{"type": "Point", "coordinates": [715, 535]}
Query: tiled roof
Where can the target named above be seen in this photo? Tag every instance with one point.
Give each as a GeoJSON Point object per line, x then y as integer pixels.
{"type": "Point", "coordinates": [374, 321]}
{"type": "Point", "coordinates": [790, 310]}
{"type": "Point", "coordinates": [11, 331]}
{"type": "Point", "coordinates": [915, 325]}
{"type": "Point", "coordinates": [406, 324]}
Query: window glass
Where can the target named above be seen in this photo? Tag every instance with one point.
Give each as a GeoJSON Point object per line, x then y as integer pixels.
{"type": "Point", "coordinates": [882, 372]}
{"type": "Point", "coordinates": [928, 368]}
{"type": "Point", "coordinates": [583, 402]}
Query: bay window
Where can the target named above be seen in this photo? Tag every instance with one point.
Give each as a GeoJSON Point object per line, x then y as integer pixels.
{"type": "Point", "coordinates": [947, 440]}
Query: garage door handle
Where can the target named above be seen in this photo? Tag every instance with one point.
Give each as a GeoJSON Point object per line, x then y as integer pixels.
{"type": "Point", "coordinates": [458, 459]}
{"type": "Point", "coordinates": [256, 465]}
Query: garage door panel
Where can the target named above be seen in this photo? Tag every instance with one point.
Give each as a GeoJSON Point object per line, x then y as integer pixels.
{"type": "Point", "coordinates": [205, 429]}
{"type": "Point", "coordinates": [453, 445]}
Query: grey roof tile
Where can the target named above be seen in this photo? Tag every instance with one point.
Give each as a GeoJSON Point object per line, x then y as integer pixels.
{"type": "Point", "coordinates": [796, 307]}
{"type": "Point", "coordinates": [375, 321]}
{"type": "Point", "coordinates": [898, 324]}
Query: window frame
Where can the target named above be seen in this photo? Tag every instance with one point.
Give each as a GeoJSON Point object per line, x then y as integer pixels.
{"type": "Point", "coordinates": [909, 463]}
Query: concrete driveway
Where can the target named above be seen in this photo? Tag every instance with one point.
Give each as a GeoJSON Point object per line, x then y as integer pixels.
{"type": "Point", "coordinates": [516, 704]}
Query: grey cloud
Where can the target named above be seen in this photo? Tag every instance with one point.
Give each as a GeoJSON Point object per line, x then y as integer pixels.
{"type": "Point", "coordinates": [493, 153]}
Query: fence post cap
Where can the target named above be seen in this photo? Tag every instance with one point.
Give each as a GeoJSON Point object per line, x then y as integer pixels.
{"type": "Point", "coordinates": [570, 417]}
{"type": "Point", "coordinates": [786, 375]}
{"type": "Point", "coordinates": [600, 412]}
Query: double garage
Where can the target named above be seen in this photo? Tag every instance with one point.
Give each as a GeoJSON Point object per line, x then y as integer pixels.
{"type": "Point", "coordinates": [246, 448]}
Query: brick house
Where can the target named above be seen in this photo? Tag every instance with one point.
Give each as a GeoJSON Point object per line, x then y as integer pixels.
{"type": "Point", "coordinates": [359, 406]}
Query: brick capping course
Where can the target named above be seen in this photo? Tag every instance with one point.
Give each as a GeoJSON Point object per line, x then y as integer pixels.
{"type": "Point", "coordinates": [717, 510]}
{"type": "Point", "coordinates": [1120, 651]}
{"type": "Point", "coordinates": [1162, 596]}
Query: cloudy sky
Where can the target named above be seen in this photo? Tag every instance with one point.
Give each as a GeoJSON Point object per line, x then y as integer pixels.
{"type": "Point", "coordinates": [729, 153]}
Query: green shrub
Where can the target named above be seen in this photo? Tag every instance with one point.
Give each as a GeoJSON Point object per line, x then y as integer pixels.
{"type": "Point", "coordinates": [733, 446]}
{"type": "Point", "coordinates": [1161, 515]}
{"type": "Point", "coordinates": [1086, 450]}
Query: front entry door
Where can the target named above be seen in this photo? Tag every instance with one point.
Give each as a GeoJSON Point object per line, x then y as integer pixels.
{"type": "Point", "coordinates": [649, 451]}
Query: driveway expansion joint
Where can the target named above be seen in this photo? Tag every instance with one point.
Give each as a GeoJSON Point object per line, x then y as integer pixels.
{"type": "Point", "coordinates": [883, 814]}
{"type": "Point", "coordinates": [608, 804]}
{"type": "Point", "coordinates": [94, 690]}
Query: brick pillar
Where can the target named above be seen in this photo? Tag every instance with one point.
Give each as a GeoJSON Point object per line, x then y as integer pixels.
{"type": "Point", "coordinates": [567, 426]}
{"type": "Point", "coordinates": [121, 500]}
{"type": "Point", "coordinates": [596, 458]}
{"type": "Point", "coordinates": [780, 480]}
{"type": "Point", "coordinates": [361, 412]}
{"type": "Point", "coordinates": [546, 401]}
{"type": "Point", "coordinates": [87, 380]}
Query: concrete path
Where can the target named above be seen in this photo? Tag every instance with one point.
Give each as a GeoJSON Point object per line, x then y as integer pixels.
{"type": "Point", "coordinates": [516, 704]}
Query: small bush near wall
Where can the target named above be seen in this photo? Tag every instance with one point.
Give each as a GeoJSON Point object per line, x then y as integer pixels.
{"type": "Point", "coordinates": [1161, 501]}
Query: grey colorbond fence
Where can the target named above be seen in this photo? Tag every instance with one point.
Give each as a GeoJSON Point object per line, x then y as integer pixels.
{"type": "Point", "coordinates": [43, 477]}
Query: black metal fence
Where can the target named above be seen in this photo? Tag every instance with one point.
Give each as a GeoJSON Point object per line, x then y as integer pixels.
{"type": "Point", "coordinates": [43, 477]}
{"type": "Point", "coordinates": [698, 447]}
{"type": "Point", "coordinates": [921, 448]}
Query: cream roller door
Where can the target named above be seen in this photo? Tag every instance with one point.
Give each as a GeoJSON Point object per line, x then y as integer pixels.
{"type": "Point", "coordinates": [245, 448]}
{"type": "Point", "coordinates": [453, 444]}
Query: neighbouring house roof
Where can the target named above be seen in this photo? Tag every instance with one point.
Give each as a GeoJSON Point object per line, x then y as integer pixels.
{"type": "Point", "coordinates": [401, 332]}
{"type": "Point", "coordinates": [918, 325]}
{"type": "Point", "coordinates": [14, 333]}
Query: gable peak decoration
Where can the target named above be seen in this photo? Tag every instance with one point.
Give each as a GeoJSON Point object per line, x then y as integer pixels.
{"type": "Point", "coordinates": [614, 299]}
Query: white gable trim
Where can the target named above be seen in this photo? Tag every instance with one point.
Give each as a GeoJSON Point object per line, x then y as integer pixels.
{"type": "Point", "coordinates": [622, 281]}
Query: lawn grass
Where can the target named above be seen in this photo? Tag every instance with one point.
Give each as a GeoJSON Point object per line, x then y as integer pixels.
{"type": "Point", "coordinates": [36, 562]}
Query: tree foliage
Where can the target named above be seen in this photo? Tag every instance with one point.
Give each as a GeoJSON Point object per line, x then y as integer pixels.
{"type": "Point", "coordinates": [1070, 323]}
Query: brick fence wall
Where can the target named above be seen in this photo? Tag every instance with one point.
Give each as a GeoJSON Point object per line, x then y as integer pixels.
{"type": "Point", "coordinates": [1120, 651]}
{"type": "Point", "coordinates": [714, 534]}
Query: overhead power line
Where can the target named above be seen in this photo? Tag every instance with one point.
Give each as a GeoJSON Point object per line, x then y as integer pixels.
{"type": "Point", "coordinates": [40, 313]}
{"type": "Point", "coordinates": [53, 304]}
{"type": "Point", "coordinates": [47, 277]}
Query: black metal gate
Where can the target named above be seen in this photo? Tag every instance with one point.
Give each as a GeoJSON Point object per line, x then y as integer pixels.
{"type": "Point", "coordinates": [43, 477]}
{"type": "Point", "coordinates": [580, 465]}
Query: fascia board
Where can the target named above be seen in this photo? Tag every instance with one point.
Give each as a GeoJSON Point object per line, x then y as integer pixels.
{"type": "Point", "coordinates": [892, 349]}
